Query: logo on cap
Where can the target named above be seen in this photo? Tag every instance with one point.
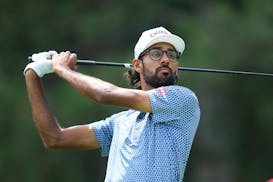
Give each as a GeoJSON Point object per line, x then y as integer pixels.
{"type": "Point", "coordinates": [152, 35]}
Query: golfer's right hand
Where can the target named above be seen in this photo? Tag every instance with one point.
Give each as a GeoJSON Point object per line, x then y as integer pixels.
{"type": "Point", "coordinates": [64, 60]}
{"type": "Point", "coordinates": [41, 64]}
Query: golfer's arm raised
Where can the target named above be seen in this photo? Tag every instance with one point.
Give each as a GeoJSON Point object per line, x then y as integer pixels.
{"type": "Point", "coordinates": [53, 136]}
{"type": "Point", "coordinates": [81, 136]}
{"type": "Point", "coordinates": [96, 89]}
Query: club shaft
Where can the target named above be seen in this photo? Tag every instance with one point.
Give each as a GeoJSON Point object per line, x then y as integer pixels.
{"type": "Point", "coordinates": [126, 65]}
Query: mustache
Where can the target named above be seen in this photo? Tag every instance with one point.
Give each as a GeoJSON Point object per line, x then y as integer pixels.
{"type": "Point", "coordinates": [164, 67]}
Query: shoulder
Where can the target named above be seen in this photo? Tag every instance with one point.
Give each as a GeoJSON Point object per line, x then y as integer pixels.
{"type": "Point", "coordinates": [174, 97]}
{"type": "Point", "coordinates": [177, 88]}
{"type": "Point", "coordinates": [173, 91]}
{"type": "Point", "coordinates": [183, 94]}
{"type": "Point", "coordinates": [173, 102]}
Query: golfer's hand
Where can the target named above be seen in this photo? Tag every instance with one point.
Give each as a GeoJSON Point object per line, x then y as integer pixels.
{"type": "Point", "coordinates": [41, 64]}
{"type": "Point", "coordinates": [64, 60]}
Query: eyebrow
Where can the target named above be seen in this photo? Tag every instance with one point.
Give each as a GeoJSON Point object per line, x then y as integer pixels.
{"type": "Point", "coordinates": [170, 49]}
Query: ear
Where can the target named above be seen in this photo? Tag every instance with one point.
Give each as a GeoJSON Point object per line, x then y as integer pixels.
{"type": "Point", "coordinates": [137, 65]}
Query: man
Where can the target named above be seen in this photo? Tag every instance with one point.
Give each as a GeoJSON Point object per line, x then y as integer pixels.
{"type": "Point", "coordinates": [149, 142]}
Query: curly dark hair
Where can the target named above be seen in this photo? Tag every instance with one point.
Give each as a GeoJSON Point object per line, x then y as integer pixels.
{"type": "Point", "coordinates": [133, 78]}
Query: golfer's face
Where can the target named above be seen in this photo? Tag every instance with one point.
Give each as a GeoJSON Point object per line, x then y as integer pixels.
{"type": "Point", "coordinates": [160, 65]}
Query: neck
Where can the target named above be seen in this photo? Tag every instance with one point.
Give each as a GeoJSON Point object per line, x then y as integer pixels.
{"type": "Point", "coordinates": [144, 85]}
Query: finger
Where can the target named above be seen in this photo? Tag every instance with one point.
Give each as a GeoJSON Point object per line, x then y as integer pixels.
{"type": "Point", "coordinates": [73, 61]}
{"type": "Point", "coordinates": [64, 53]}
{"type": "Point", "coordinates": [54, 56]}
{"type": "Point", "coordinates": [73, 56]}
{"type": "Point", "coordinates": [67, 52]}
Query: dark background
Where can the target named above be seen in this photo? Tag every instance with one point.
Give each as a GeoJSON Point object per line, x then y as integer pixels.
{"type": "Point", "coordinates": [234, 138]}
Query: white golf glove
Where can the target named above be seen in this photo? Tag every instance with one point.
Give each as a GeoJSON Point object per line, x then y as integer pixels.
{"type": "Point", "coordinates": [41, 63]}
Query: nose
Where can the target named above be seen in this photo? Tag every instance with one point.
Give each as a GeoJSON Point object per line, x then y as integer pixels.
{"type": "Point", "coordinates": [164, 59]}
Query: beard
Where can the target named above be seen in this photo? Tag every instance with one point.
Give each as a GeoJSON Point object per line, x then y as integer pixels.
{"type": "Point", "coordinates": [159, 79]}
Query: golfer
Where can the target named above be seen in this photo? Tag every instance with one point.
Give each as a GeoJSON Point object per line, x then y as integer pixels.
{"type": "Point", "coordinates": [151, 141]}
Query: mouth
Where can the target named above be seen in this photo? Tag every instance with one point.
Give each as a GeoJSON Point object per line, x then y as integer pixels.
{"type": "Point", "coordinates": [164, 71]}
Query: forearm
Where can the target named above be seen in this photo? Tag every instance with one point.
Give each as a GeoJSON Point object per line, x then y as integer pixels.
{"type": "Point", "coordinates": [96, 89]}
{"type": "Point", "coordinates": [89, 86]}
{"type": "Point", "coordinates": [42, 116]}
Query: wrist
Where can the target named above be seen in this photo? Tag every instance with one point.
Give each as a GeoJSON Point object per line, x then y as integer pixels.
{"type": "Point", "coordinates": [60, 69]}
{"type": "Point", "coordinates": [31, 75]}
{"type": "Point", "coordinates": [30, 71]}
{"type": "Point", "coordinates": [39, 67]}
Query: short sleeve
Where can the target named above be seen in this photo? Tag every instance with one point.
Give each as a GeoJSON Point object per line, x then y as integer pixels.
{"type": "Point", "coordinates": [173, 103]}
{"type": "Point", "coordinates": [104, 131]}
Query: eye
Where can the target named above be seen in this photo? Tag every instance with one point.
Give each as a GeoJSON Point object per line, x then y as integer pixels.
{"type": "Point", "coordinates": [172, 55]}
{"type": "Point", "coordinates": [156, 53]}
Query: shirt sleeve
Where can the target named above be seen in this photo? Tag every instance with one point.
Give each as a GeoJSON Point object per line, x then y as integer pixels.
{"type": "Point", "coordinates": [173, 103]}
{"type": "Point", "coordinates": [104, 131]}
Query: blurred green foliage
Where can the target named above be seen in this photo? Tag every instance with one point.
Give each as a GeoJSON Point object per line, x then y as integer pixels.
{"type": "Point", "coordinates": [234, 138]}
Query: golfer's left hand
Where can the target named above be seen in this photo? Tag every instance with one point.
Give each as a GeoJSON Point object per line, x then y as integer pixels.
{"type": "Point", "coordinates": [41, 64]}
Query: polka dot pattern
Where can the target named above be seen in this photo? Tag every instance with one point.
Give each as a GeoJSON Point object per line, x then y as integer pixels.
{"type": "Point", "coordinates": [151, 146]}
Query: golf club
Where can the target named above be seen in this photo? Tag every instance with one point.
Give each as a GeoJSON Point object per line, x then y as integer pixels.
{"type": "Point", "coordinates": [127, 65]}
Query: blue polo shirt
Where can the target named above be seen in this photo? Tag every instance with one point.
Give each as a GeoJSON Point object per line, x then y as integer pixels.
{"type": "Point", "coordinates": [153, 146]}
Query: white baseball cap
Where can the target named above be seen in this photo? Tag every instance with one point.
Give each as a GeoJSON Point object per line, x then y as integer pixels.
{"type": "Point", "coordinates": [156, 35]}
